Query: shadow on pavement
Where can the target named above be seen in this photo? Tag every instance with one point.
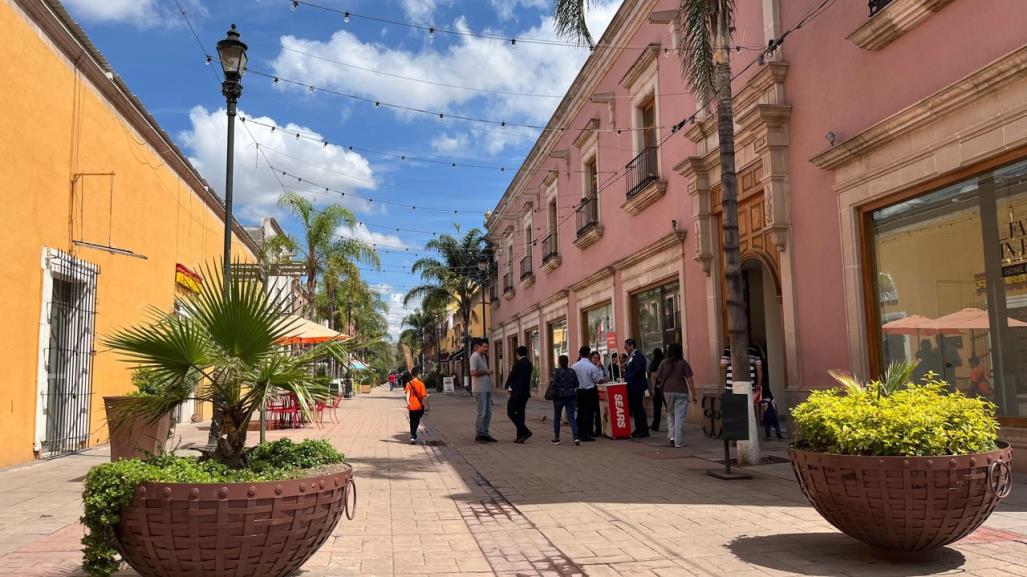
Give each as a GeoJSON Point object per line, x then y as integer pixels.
{"type": "Point", "coordinates": [837, 555]}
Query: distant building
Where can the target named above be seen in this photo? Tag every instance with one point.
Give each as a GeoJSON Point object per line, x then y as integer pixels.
{"type": "Point", "coordinates": [280, 280]}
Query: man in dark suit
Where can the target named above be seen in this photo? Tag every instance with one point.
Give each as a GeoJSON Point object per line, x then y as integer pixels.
{"type": "Point", "coordinates": [518, 383]}
{"type": "Point", "coordinates": [638, 384]}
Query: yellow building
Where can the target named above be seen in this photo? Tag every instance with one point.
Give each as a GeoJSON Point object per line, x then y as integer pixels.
{"type": "Point", "coordinates": [452, 332]}
{"type": "Point", "coordinates": [104, 218]}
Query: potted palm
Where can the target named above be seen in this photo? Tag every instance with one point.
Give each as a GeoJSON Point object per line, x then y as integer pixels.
{"type": "Point", "coordinates": [900, 465]}
{"type": "Point", "coordinates": [259, 511]}
{"type": "Point", "coordinates": [137, 436]}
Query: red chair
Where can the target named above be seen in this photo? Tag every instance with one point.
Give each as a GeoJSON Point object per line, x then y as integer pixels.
{"type": "Point", "coordinates": [285, 408]}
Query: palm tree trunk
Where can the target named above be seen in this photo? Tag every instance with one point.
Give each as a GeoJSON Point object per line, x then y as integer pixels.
{"type": "Point", "coordinates": [737, 323]}
{"type": "Point", "coordinates": [232, 441]}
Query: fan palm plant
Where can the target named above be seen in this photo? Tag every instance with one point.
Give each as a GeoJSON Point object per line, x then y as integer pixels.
{"type": "Point", "coordinates": [704, 28]}
{"type": "Point", "coordinates": [223, 348]}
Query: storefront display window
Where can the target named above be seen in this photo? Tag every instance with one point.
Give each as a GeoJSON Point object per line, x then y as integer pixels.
{"type": "Point", "coordinates": [657, 317]}
{"type": "Point", "coordinates": [534, 349]}
{"type": "Point", "coordinates": [951, 285]}
{"type": "Point", "coordinates": [598, 322]}
{"type": "Point", "coordinates": [557, 341]}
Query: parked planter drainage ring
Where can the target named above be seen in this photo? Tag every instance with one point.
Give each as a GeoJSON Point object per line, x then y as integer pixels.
{"type": "Point", "coordinates": [266, 529]}
{"type": "Point", "coordinates": [905, 503]}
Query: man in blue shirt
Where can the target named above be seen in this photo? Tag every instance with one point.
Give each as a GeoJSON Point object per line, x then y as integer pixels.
{"type": "Point", "coordinates": [638, 384]}
{"type": "Point", "coordinates": [589, 376]}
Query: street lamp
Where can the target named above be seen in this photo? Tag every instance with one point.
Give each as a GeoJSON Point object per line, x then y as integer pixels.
{"type": "Point", "coordinates": [232, 53]}
{"type": "Point", "coordinates": [483, 267]}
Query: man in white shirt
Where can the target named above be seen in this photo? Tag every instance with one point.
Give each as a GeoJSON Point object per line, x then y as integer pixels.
{"type": "Point", "coordinates": [481, 386]}
{"type": "Point", "coordinates": [589, 376]}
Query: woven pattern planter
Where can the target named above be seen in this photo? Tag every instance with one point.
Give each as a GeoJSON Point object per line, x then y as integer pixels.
{"type": "Point", "coordinates": [905, 503]}
{"type": "Point", "coordinates": [235, 529]}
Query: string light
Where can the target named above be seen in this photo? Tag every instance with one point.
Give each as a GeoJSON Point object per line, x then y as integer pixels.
{"type": "Point", "coordinates": [345, 17]}
{"type": "Point", "coordinates": [431, 33]}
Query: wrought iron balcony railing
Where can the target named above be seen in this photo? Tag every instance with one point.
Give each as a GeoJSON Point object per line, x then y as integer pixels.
{"type": "Point", "coordinates": [526, 266]}
{"type": "Point", "coordinates": [588, 215]}
{"type": "Point", "coordinates": [507, 282]}
{"type": "Point", "coordinates": [877, 5]}
{"type": "Point", "coordinates": [641, 171]}
{"type": "Point", "coordinates": [549, 248]}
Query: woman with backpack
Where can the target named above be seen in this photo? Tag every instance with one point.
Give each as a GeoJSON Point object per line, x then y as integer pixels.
{"type": "Point", "coordinates": [562, 390]}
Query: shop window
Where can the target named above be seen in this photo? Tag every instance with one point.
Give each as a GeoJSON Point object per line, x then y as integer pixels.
{"type": "Point", "coordinates": [657, 316]}
{"type": "Point", "coordinates": [951, 285]}
{"type": "Point", "coordinates": [598, 321]}
{"type": "Point", "coordinates": [557, 342]}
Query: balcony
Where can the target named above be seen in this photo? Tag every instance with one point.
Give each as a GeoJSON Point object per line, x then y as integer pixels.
{"type": "Point", "coordinates": [643, 181]}
{"type": "Point", "coordinates": [508, 287]}
{"type": "Point", "coordinates": [589, 229]}
{"type": "Point", "coordinates": [876, 5]}
{"type": "Point", "coordinates": [550, 256]}
{"type": "Point", "coordinates": [527, 274]}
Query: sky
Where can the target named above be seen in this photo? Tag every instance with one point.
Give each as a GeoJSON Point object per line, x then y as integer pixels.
{"type": "Point", "coordinates": [398, 178]}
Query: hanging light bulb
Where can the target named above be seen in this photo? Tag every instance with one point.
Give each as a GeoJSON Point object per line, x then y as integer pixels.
{"type": "Point", "coordinates": [431, 33]}
{"type": "Point", "coordinates": [666, 52]}
{"type": "Point", "coordinates": [377, 104]}
{"type": "Point", "coordinates": [513, 42]}
{"type": "Point", "coordinates": [345, 17]}
{"type": "Point", "coordinates": [295, 4]}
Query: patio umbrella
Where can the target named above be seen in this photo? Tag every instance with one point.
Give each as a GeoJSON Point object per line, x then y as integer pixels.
{"type": "Point", "coordinates": [969, 319]}
{"type": "Point", "coordinates": [912, 325]}
{"type": "Point", "coordinates": [305, 332]}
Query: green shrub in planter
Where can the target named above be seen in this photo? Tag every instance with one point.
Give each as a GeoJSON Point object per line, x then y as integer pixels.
{"type": "Point", "coordinates": [895, 417]}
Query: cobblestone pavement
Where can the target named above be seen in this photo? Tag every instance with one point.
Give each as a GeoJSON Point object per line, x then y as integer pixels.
{"type": "Point", "coordinates": [453, 507]}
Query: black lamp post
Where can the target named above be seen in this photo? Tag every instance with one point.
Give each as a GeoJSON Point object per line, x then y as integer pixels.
{"type": "Point", "coordinates": [232, 53]}
{"type": "Point", "coordinates": [483, 267]}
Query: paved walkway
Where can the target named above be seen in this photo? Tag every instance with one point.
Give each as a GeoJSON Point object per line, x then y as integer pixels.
{"type": "Point", "coordinates": [453, 507]}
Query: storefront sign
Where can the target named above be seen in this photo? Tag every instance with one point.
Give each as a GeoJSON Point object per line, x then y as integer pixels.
{"type": "Point", "coordinates": [611, 340]}
{"type": "Point", "coordinates": [187, 279]}
{"type": "Point", "coordinates": [448, 385]}
{"type": "Point", "coordinates": [613, 405]}
{"type": "Point", "coordinates": [1014, 247]}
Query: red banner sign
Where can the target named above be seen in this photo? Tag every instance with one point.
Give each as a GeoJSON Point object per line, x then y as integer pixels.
{"type": "Point", "coordinates": [611, 340]}
{"type": "Point", "coordinates": [613, 403]}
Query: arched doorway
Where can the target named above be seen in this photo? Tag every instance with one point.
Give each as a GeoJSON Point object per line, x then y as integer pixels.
{"type": "Point", "coordinates": [762, 291]}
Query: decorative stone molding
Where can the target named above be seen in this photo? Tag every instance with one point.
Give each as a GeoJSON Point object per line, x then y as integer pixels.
{"type": "Point", "coordinates": [984, 82]}
{"type": "Point", "coordinates": [641, 65]}
{"type": "Point", "coordinates": [527, 280]}
{"type": "Point", "coordinates": [509, 293]}
{"type": "Point", "coordinates": [648, 195]}
{"type": "Point", "coordinates": [660, 245]}
{"type": "Point", "coordinates": [563, 155]}
{"type": "Point", "coordinates": [693, 169]}
{"type": "Point", "coordinates": [589, 237]}
{"type": "Point", "coordinates": [587, 133]}
{"type": "Point", "coordinates": [894, 20]}
{"type": "Point", "coordinates": [765, 127]}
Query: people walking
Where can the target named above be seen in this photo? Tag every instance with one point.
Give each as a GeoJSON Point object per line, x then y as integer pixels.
{"type": "Point", "coordinates": [674, 376]}
{"type": "Point", "coordinates": [638, 384]}
{"type": "Point", "coordinates": [417, 401]}
{"type": "Point", "coordinates": [589, 376]}
{"type": "Point", "coordinates": [767, 406]}
{"type": "Point", "coordinates": [657, 391]}
{"type": "Point", "coordinates": [481, 386]}
{"type": "Point", "coordinates": [755, 370]}
{"type": "Point", "coordinates": [518, 383]}
{"type": "Point", "coordinates": [565, 385]}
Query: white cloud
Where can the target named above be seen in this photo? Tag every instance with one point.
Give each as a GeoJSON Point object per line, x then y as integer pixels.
{"type": "Point", "coordinates": [398, 311]}
{"type": "Point", "coordinates": [139, 13]}
{"type": "Point", "coordinates": [505, 8]}
{"type": "Point", "coordinates": [380, 240]}
{"type": "Point", "coordinates": [257, 189]}
{"type": "Point", "coordinates": [447, 144]}
{"type": "Point", "coordinates": [421, 11]}
{"type": "Point", "coordinates": [465, 61]}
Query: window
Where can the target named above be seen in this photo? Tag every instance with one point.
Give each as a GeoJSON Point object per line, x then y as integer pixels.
{"type": "Point", "coordinates": [588, 212]}
{"type": "Point", "coordinates": [598, 321]}
{"type": "Point", "coordinates": [951, 285]}
{"type": "Point", "coordinates": [526, 263]}
{"type": "Point", "coordinates": [643, 169]}
{"type": "Point", "coordinates": [647, 115]}
{"type": "Point", "coordinates": [557, 341]}
{"type": "Point", "coordinates": [657, 317]}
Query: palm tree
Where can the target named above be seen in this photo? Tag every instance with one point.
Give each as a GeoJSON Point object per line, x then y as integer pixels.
{"type": "Point", "coordinates": [420, 322]}
{"type": "Point", "coordinates": [224, 350]}
{"type": "Point", "coordinates": [704, 27]}
{"type": "Point", "coordinates": [320, 244]}
{"type": "Point", "coordinates": [453, 276]}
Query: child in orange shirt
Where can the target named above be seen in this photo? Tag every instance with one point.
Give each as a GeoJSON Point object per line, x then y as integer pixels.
{"type": "Point", "coordinates": [417, 402]}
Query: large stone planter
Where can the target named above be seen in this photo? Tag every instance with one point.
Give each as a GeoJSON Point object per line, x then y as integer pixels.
{"type": "Point", "coordinates": [905, 503]}
{"type": "Point", "coordinates": [137, 438]}
{"type": "Point", "coordinates": [264, 529]}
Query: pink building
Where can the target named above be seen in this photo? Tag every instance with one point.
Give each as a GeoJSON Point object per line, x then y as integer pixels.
{"type": "Point", "coordinates": [882, 164]}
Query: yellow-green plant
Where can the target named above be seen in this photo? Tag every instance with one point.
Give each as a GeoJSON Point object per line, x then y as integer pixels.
{"type": "Point", "coordinates": [895, 417]}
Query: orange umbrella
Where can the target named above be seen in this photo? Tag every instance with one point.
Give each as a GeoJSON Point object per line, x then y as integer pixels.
{"type": "Point", "coordinates": [969, 319]}
{"type": "Point", "coordinates": [911, 325]}
{"type": "Point", "coordinates": [305, 332]}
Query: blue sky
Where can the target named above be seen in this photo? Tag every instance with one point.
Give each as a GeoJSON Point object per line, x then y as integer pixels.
{"type": "Point", "coordinates": [152, 48]}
